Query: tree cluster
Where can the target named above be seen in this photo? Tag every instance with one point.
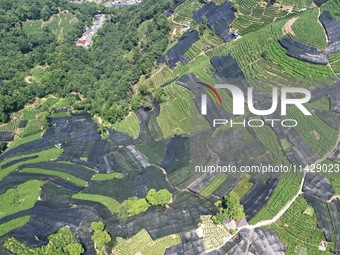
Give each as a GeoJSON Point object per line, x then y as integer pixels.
{"type": "Point", "coordinates": [229, 208]}
{"type": "Point", "coordinates": [104, 74]}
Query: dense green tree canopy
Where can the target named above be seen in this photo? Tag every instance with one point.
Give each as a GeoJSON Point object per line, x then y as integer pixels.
{"type": "Point", "coordinates": [160, 197]}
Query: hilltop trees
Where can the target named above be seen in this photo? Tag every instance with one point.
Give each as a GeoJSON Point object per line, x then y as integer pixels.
{"type": "Point", "coordinates": [230, 208]}
{"type": "Point", "coordinates": [100, 236]}
{"type": "Point", "coordinates": [160, 197]}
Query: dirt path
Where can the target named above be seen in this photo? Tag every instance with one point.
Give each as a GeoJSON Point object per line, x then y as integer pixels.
{"type": "Point", "coordinates": [322, 26]}
{"type": "Point", "coordinates": [288, 27]}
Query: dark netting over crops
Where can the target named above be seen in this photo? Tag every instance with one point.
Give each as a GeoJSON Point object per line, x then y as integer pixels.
{"type": "Point", "coordinates": [318, 186]}
{"type": "Point", "coordinates": [45, 221]}
{"type": "Point", "coordinates": [176, 53]}
{"type": "Point", "coordinates": [149, 127]}
{"type": "Point", "coordinates": [135, 183]}
{"type": "Point", "coordinates": [219, 18]}
{"type": "Point", "coordinates": [74, 169]}
{"type": "Point", "coordinates": [227, 67]}
{"type": "Point", "coordinates": [332, 27]}
{"type": "Point", "coordinates": [216, 111]}
{"type": "Point", "coordinates": [334, 211]}
{"type": "Point", "coordinates": [334, 96]}
{"type": "Point", "coordinates": [13, 162]}
{"type": "Point", "coordinates": [253, 241]}
{"type": "Point", "coordinates": [320, 211]}
{"type": "Point", "coordinates": [191, 245]}
{"type": "Point", "coordinates": [332, 119]}
{"type": "Point", "coordinates": [303, 52]}
{"type": "Point", "coordinates": [182, 216]}
{"type": "Point", "coordinates": [335, 156]}
{"type": "Point", "coordinates": [258, 196]}
{"type": "Point", "coordinates": [177, 154]}
{"type": "Point", "coordinates": [319, 2]}
{"type": "Point", "coordinates": [6, 136]}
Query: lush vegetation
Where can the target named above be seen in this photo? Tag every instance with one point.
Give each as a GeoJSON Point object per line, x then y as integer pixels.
{"type": "Point", "coordinates": [309, 30]}
{"type": "Point", "coordinates": [61, 243]}
{"type": "Point", "coordinates": [133, 206]}
{"type": "Point", "coordinates": [213, 185]}
{"type": "Point", "coordinates": [100, 235]}
{"type": "Point", "coordinates": [214, 234]}
{"type": "Point", "coordinates": [129, 125]}
{"type": "Point", "coordinates": [110, 176]}
{"type": "Point", "coordinates": [62, 175]}
{"type": "Point", "coordinates": [243, 187]}
{"type": "Point", "coordinates": [20, 198]}
{"type": "Point", "coordinates": [110, 203]}
{"type": "Point", "coordinates": [142, 243]}
{"type": "Point", "coordinates": [229, 208]}
{"type": "Point", "coordinates": [285, 190]}
{"type": "Point", "coordinates": [161, 197]}
{"type": "Point", "coordinates": [104, 75]}
{"type": "Point", "coordinates": [13, 224]}
{"type": "Point", "coordinates": [298, 229]}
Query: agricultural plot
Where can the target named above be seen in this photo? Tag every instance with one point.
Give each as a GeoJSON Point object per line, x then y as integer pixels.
{"type": "Point", "coordinates": [331, 26]}
{"type": "Point", "coordinates": [258, 240]}
{"type": "Point", "coordinates": [130, 125]}
{"type": "Point", "coordinates": [243, 187]}
{"type": "Point", "coordinates": [251, 16]}
{"type": "Point", "coordinates": [60, 24]}
{"type": "Point", "coordinates": [334, 211]}
{"type": "Point", "coordinates": [219, 18]}
{"type": "Point", "coordinates": [318, 186]}
{"type": "Point", "coordinates": [285, 190]}
{"type": "Point", "coordinates": [308, 30]}
{"type": "Point", "coordinates": [176, 54]}
{"type": "Point", "coordinates": [142, 243]}
{"type": "Point", "coordinates": [213, 185]}
{"type": "Point", "coordinates": [214, 234]}
{"type": "Point", "coordinates": [154, 151]}
{"type": "Point", "coordinates": [178, 115]}
{"type": "Point", "coordinates": [314, 131]}
{"type": "Point", "coordinates": [13, 224]}
{"type": "Point", "coordinates": [320, 210]}
{"type": "Point", "coordinates": [18, 199]}
{"type": "Point", "coordinates": [298, 230]}
{"type": "Point", "coordinates": [303, 52]}
{"type": "Point", "coordinates": [110, 203]}
{"type": "Point", "coordinates": [42, 156]}
{"type": "Point", "coordinates": [39, 73]}
{"type": "Point", "coordinates": [335, 62]}
{"type": "Point", "coordinates": [57, 243]}
{"type": "Point", "coordinates": [105, 177]}
{"type": "Point", "coordinates": [183, 13]}
{"type": "Point", "coordinates": [298, 4]}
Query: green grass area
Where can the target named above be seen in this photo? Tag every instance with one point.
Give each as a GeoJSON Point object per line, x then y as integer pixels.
{"type": "Point", "coordinates": [105, 177]}
{"type": "Point", "coordinates": [214, 234]}
{"type": "Point", "coordinates": [56, 244]}
{"type": "Point", "coordinates": [243, 187]}
{"type": "Point", "coordinates": [299, 230]}
{"type": "Point", "coordinates": [43, 156]}
{"type": "Point", "coordinates": [314, 131]}
{"type": "Point", "coordinates": [309, 30]}
{"type": "Point", "coordinates": [284, 191]}
{"type": "Point", "coordinates": [62, 175]}
{"type": "Point", "coordinates": [20, 198]}
{"type": "Point", "coordinates": [142, 243]}
{"type": "Point", "coordinates": [60, 114]}
{"type": "Point", "coordinates": [130, 125]}
{"type": "Point", "coordinates": [13, 224]}
{"type": "Point", "coordinates": [213, 185]}
{"type": "Point", "coordinates": [154, 151]}
{"type": "Point", "coordinates": [110, 203]}
{"type": "Point", "coordinates": [179, 115]}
